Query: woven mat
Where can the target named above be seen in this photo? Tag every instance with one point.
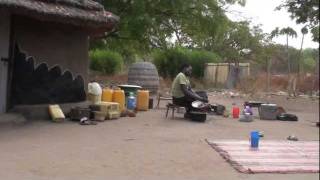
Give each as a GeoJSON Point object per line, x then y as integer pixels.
{"type": "Point", "coordinates": [271, 156]}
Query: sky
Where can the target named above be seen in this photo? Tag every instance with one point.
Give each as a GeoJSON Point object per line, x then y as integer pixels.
{"type": "Point", "coordinates": [263, 12]}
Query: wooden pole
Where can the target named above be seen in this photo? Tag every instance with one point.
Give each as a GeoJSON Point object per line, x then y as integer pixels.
{"type": "Point", "coordinates": [268, 74]}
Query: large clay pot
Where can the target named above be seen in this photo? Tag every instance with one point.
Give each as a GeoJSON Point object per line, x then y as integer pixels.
{"type": "Point", "coordinates": [144, 74]}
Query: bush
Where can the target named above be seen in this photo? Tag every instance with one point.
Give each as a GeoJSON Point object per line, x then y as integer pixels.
{"type": "Point", "coordinates": [168, 62]}
{"type": "Point", "coordinates": [309, 64]}
{"type": "Point", "coordinates": [199, 59]}
{"type": "Point", "coordinates": [105, 61]}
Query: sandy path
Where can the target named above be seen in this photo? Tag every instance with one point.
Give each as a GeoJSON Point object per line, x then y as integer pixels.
{"type": "Point", "coordinates": [146, 147]}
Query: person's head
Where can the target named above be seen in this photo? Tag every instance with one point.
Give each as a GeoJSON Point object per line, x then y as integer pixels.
{"type": "Point", "coordinates": [186, 69]}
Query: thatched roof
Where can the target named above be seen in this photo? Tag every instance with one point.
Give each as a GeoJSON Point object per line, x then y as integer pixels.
{"type": "Point", "coordinates": [85, 13]}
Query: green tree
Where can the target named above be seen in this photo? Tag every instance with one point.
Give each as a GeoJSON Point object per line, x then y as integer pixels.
{"type": "Point", "coordinates": [310, 58]}
{"type": "Point", "coordinates": [288, 32]}
{"type": "Point", "coordinates": [108, 62]}
{"type": "Point", "coordinates": [168, 62]}
{"type": "Point", "coordinates": [315, 34]}
{"type": "Point", "coordinates": [148, 24]}
{"type": "Point", "coordinates": [304, 12]}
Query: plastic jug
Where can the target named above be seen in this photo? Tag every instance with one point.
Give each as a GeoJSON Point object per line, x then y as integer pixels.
{"type": "Point", "coordinates": [235, 112]}
{"type": "Point", "coordinates": [131, 104]}
{"type": "Point", "coordinates": [94, 92]}
{"type": "Point", "coordinates": [56, 113]}
{"type": "Point", "coordinates": [142, 100]}
{"type": "Point", "coordinates": [254, 139]}
{"type": "Point", "coordinates": [107, 95]}
{"type": "Point", "coordinates": [118, 96]}
{"type": "Point", "coordinates": [94, 88]}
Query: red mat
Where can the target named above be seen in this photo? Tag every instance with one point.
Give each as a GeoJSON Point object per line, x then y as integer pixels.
{"type": "Point", "coordinates": [271, 156]}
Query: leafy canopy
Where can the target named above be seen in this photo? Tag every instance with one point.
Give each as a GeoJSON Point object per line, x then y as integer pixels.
{"type": "Point", "coordinates": [148, 24]}
{"type": "Point", "coordinates": [304, 12]}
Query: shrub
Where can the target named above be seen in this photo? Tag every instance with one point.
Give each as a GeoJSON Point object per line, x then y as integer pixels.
{"type": "Point", "coordinates": [309, 64]}
{"type": "Point", "coordinates": [168, 62]}
{"type": "Point", "coordinates": [199, 58]}
{"type": "Point", "coordinates": [160, 61]}
{"type": "Point", "coordinates": [105, 61]}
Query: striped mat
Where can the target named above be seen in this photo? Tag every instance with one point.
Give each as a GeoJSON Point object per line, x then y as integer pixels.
{"type": "Point", "coordinates": [271, 156]}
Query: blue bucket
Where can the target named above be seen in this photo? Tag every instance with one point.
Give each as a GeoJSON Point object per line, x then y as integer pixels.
{"type": "Point", "coordinates": [254, 139]}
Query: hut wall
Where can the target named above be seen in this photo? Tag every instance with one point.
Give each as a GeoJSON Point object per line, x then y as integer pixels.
{"type": "Point", "coordinates": [54, 44]}
{"type": "Point", "coordinates": [50, 63]}
{"type": "Point", "coordinates": [4, 54]}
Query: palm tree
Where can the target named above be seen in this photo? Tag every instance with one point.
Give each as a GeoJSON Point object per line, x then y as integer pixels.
{"type": "Point", "coordinates": [288, 31]}
{"type": "Point", "coordinates": [304, 31]}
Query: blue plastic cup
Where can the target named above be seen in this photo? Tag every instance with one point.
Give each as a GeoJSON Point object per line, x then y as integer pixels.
{"type": "Point", "coordinates": [254, 138]}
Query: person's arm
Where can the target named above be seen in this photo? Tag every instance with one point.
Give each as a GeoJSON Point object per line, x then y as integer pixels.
{"type": "Point", "coordinates": [190, 93]}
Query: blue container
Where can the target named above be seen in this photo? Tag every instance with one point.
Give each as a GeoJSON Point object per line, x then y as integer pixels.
{"type": "Point", "coordinates": [254, 138]}
{"type": "Point", "coordinates": [131, 102]}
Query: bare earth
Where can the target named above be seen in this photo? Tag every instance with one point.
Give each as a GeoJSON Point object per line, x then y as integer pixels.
{"type": "Point", "coordinates": [146, 147]}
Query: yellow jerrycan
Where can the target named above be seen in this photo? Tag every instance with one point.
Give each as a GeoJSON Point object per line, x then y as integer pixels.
{"type": "Point", "coordinates": [142, 100]}
{"type": "Point", "coordinates": [107, 95]}
{"type": "Point", "coordinates": [119, 97]}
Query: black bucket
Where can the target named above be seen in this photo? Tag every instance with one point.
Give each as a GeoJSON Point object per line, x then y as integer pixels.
{"type": "Point", "coordinates": [198, 116]}
{"type": "Point", "coordinates": [150, 103]}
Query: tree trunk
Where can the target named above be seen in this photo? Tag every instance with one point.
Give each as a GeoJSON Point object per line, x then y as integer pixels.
{"type": "Point", "coordinates": [299, 63]}
{"type": "Point", "coordinates": [290, 80]}
{"type": "Point", "coordinates": [300, 55]}
{"type": "Point", "coordinates": [237, 67]}
{"type": "Point", "coordinates": [268, 74]}
{"type": "Point", "coordinates": [289, 68]}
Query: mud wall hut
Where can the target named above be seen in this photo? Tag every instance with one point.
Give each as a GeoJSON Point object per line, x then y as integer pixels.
{"type": "Point", "coordinates": [44, 49]}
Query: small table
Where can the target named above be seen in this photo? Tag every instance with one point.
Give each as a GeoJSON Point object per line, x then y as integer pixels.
{"type": "Point", "coordinates": [129, 88]}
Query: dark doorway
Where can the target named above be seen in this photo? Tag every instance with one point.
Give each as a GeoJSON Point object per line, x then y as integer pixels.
{"type": "Point", "coordinates": [39, 84]}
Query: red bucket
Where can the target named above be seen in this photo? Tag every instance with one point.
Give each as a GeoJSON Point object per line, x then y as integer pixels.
{"type": "Point", "coordinates": [235, 112]}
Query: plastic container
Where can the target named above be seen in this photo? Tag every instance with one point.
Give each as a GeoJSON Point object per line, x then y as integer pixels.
{"type": "Point", "coordinates": [246, 118]}
{"type": "Point", "coordinates": [150, 103]}
{"type": "Point", "coordinates": [198, 116]}
{"type": "Point", "coordinates": [254, 139]}
{"type": "Point", "coordinates": [113, 115]}
{"type": "Point", "coordinates": [109, 106]}
{"type": "Point", "coordinates": [247, 110]}
{"type": "Point", "coordinates": [99, 115]}
{"type": "Point", "coordinates": [94, 88]}
{"type": "Point", "coordinates": [94, 99]}
{"type": "Point", "coordinates": [118, 96]}
{"type": "Point", "coordinates": [111, 109]}
{"type": "Point", "coordinates": [235, 112]}
{"type": "Point", "coordinates": [268, 111]}
{"type": "Point", "coordinates": [107, 95]}
{"type": "Point", "coordinates": [94, 92]}
{"type": "Point", "coordinates": [56, 113]}
{"type": "Point", "coordinates": [131, 103]}
{"type": "Point", "coordinates": [142, 100]}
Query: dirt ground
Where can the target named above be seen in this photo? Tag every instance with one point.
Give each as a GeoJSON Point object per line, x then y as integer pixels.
{"type": "Point", "coordinates": [148, 146]}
